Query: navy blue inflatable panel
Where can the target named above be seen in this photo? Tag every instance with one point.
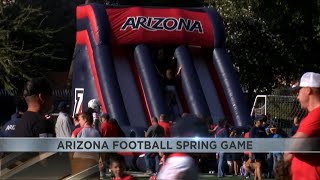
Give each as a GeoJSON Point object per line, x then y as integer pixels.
{"type": "Point", "coordinates": [208, 87]}
{"type": "Point", "coordinates": [129, 90]}
{"type": "Point", "coordinates": [231, 87]}
{"type": "Point", "coordinates": [109, 85]}
{"type": "Point", "coordinates": [102, 24]}
{"type": "Point", "coordinates": [218, 28]}
{"type": "Point", "coordinates": [191, 85]}
{"type": "Point", "coordinates": [106, 75]}
{"type": "Point", "coordinates": [150, 81]}
{"type": "Point", "coordinates": [80, 82]}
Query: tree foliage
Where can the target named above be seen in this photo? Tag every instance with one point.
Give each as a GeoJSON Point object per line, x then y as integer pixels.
{"type": "Point", "coordinates": [271, 42]}
{"type": "Point", "coordinates": [166, 3]}
{"type": "Point", "coordinates": [28, 41]}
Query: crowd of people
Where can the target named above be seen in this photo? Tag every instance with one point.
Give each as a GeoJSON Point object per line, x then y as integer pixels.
{"type": "Point", "coordinates": [247, 163]}
{"type": "Point", "coordinates": [29, 121]}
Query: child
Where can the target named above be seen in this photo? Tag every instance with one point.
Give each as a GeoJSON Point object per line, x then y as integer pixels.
{"type": "Point", "coordinates": [252, 167]}
{"type": "Point", "coordinates": [117, 167]}
{"type": "Point", "coordinates": [243, 171]}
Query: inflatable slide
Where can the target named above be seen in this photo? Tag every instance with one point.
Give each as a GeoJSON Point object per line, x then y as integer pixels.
{"type": "Point", "coordinates": [115, 63]}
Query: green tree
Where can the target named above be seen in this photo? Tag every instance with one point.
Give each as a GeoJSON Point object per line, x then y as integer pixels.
{"type": "Point", "coordinates": [28, 42]}
{"type": "Point", "coordinates": [165, 3]}
{"type": "Point", "coordinates": [271, 42]}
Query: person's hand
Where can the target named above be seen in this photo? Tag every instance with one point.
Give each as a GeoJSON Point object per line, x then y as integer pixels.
{"type": "Point", "coordinates": [161, 154]}
{"type": "Point", "coordinates": [179, 72]}
{"type": "Point", "coordinates": [247, 163]}
{"type": "Point", "coordinates": [287, 157]}
{"type": "Point", "coordinates": [232, 133]}
{"type": "Point", "coordinates": [101, 165]}
{"type": "Point", "coordinates": [282, 169]}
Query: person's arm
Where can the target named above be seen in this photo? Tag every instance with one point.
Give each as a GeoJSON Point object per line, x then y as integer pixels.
{"type": "Point", "coordinates": [308, 128]}
{"type": "Point", "coordinates": [288, 156]}
{"type": "Point", "coordinates": [66, 127]}
{"type": "Point", "coordinates": [72, 135]}
{"type": "Point", "coordinates": [158, 71]}
{"type": "Point", "coordinates": [252, 133]}
{"type": "Point", "coordinates": [146, 134]}
{"type": "Point", "coordinates": [213, 130]}
{"type": "Point", "coordinates": [179, 71]}
{"type": "Point", "coordinates": [232, 134]}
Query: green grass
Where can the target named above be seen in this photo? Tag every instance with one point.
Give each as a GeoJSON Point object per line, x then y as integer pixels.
{"type": "Point", "coordinates": [143, 176]}
{"type": "Point", "coordinates": [212, 177]}
{"type": "Point", "coordinates": [201, 178]}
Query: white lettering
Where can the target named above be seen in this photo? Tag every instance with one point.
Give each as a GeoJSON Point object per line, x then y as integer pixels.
{"type": "Point", "coordinates": [78, 99]}
{"type": "Point", "coordinates": [10, 128]}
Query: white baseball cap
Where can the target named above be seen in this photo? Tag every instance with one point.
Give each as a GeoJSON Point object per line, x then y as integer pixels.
{"type": "Point", "coordinates": [309, 79]}
{"type": "Point", "coordinates": [94, 104]}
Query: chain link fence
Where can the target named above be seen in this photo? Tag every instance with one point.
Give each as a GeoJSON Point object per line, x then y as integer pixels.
{"type": "Point", "coordinates": [280, 110]}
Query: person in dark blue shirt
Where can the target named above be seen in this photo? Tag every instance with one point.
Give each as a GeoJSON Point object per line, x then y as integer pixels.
{"type": "Point", "coordinates": [295, 126]}
{"type": "Point", "coordinates": [38, 96]}
{"type": "Point", "coordinates": [222, 132]}
{"type": "Point", "coordinates": [9, 128]}
{"type": "Point", "coordinates": [257, 132]}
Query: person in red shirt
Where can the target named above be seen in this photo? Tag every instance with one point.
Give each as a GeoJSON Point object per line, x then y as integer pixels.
{"type": "Point", "coordinates": [117, 166]}
{"type": "Point", "coordinates": [166, 126]}
{"type": "Point", "coordinates": [77, 127]}
{"type": "Point", "coordinates": [75, 132]}
{"type": "Point", "coordinates": [108, 129]}
{"type": "Point", "coordinates": [307, 166]}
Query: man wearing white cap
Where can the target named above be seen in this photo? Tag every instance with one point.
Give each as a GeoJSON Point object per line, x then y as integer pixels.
{"type": "Point", "coordinates": [94, 105]}
{"type": "Point", "coordinates": [307, 166]}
